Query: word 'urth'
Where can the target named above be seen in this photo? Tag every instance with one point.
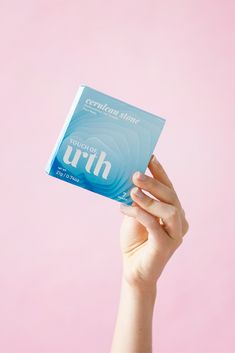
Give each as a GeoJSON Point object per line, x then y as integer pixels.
{"type": "Point", "coordinates": [74, 161]}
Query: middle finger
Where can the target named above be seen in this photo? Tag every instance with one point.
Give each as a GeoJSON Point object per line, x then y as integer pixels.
{"type": "Point", "coordinates": [156, 188]}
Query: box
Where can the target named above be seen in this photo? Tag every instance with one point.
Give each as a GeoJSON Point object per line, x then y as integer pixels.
{"type": "Point", "coordinates": [102, 143]}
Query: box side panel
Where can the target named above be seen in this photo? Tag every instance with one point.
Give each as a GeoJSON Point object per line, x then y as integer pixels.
{"type": "Point", "coordinates": [66, 123]}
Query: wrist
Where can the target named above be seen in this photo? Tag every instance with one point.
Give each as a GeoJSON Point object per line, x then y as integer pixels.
{"type": "Point", "coordinates": [140, 290]}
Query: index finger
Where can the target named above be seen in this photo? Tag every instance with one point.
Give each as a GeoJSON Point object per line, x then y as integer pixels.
{"type": "Point", "coordinates": [158, 172]}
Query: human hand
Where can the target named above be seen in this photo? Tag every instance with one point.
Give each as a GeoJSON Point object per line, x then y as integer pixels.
{"type": "Point", "coordinates": [146, 244]}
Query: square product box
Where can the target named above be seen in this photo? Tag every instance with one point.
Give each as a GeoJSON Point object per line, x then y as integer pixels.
{"type": "Point", "coordinates": [102, 143]}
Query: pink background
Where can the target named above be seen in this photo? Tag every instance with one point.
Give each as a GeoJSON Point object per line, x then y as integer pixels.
{"type": "Point", "coordinates": [60, 263]}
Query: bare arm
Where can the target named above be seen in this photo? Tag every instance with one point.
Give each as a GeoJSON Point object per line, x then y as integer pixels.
{"type": "Point", "coordinates": [133, 331]}
{"type": "Point", "coordinates": [152, 229]}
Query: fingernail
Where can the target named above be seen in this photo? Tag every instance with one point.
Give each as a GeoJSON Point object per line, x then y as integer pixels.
{"type": "Point", "coordinates": [138, 192]}
{"type": "Point", "coordinates": [141, 176]}
{"type": "Point", "coordinates": [153, 158]}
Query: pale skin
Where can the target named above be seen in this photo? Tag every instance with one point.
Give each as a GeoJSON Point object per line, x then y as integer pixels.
{"type": "Point", "coordinates": [146, 245]}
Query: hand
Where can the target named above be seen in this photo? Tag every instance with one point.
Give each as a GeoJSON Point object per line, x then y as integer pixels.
{"type": "Point", "coordinates": [146, 244]}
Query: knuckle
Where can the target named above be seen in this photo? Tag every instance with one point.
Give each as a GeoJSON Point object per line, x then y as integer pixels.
{"type": "Point", "coordinates": [179, 241]}
{"type": "Point", "coordinates": [173, 195]}
{"type": "Point", "coordinates": [173, 212]}
{"type": "Point", "coordinates": [150, 202]}
{"type": "Point", "coordinates": [150, 183]}
{"type": "Point", "coordinates": [152, 222]}
{"type": "Point", "coordinates": [186, 226]}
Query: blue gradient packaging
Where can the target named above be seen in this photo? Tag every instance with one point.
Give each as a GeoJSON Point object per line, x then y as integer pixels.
{"type": "Point", "coordinates": [102, 143]}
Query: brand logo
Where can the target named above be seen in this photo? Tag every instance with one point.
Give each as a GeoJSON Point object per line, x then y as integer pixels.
{"type": "Point", "coordinates": [72, 158]}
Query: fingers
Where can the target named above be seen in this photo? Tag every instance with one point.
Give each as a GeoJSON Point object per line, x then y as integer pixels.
{"type": "Point", "coordinates": [167, 206]}
{"type": "Point", "coordinates": [150, 222]}
{"type": "Point", "coordinates": [158, 172]}
{"type": "Point", "coordinates": [169, 213]}
{"type": "Point", "coordinates": [185, 224]}
{"type": "Point", "coordinates": [156, 188]}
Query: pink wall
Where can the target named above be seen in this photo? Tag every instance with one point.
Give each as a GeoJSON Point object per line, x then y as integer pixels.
{"type": "Point", "coordinates": [60, 263]}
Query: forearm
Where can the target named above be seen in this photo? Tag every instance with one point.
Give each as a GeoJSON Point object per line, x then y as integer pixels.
{"type": "Point", "coordinates": [133, 329]}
